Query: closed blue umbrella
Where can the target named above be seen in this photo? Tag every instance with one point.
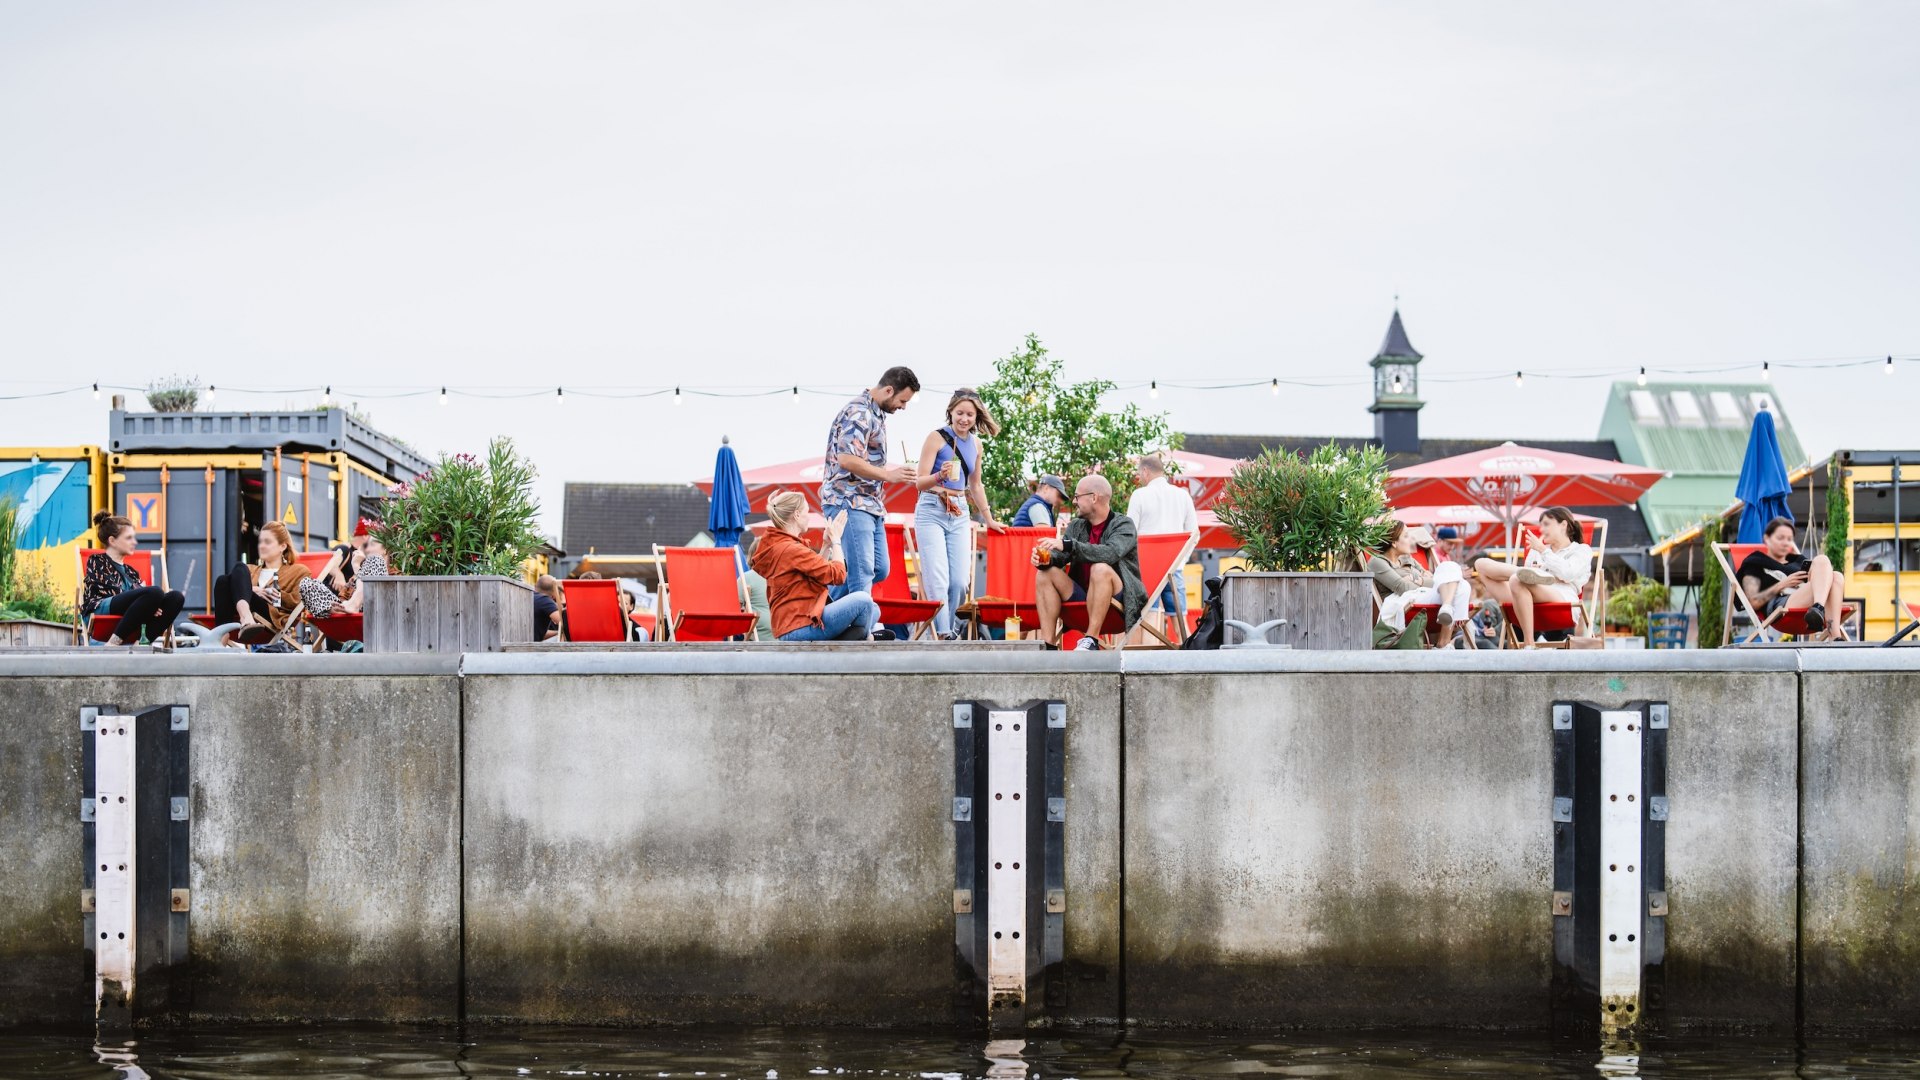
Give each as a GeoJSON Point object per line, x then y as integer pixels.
{"type": "Point", "coordinates": [727, 514]}
{"type": "Point", "coordinates": [1763, 486]}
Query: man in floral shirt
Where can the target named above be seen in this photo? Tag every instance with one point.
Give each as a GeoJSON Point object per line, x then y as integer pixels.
{"type": "Point", "coordinates": [856, 469]}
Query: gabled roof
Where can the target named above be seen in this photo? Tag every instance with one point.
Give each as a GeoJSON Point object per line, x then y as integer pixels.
{"type": "Point", "coordinates": [1627, 528]}
{"type": "Point", "coordinates": [1396, 343]}
{"type": "Point", "coordinates": [628, 519]}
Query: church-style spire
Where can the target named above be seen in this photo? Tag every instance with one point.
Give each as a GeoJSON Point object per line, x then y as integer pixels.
{"type": "Point", "coordinates": [1396, 391]}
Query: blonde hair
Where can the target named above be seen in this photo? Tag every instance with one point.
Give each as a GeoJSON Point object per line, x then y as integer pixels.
{"type": "Point", "coordinates": [287, 555]}
{"type": "Point", "coordinates": [983, 420]}
{"type": "Point", "coordinates": [787, 509]}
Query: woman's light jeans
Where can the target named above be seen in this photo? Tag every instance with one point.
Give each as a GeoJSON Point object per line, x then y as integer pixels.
{"type": "Point", "coordinates": [856, 609]}
{"type": "Point", "coordinates": [946, 543]}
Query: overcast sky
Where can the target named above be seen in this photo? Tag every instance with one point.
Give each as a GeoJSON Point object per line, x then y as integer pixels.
{"type": "Point", "coordinates": [730, 195]}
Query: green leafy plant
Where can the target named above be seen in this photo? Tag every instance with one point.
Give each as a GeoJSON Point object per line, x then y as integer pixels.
{"type": "Point", "coordinates": [26, 588]}
{"type": "Point", "coordinates": [1713, 590]}
{"type": "Point", "coordinates": [1839, 515]}
{"type": "Point", "coordinates": [173, 394]}
{"type": "Point", "coordinates": [1049, 426]}
{"type": "Point", "coordinates": [463, 516]}
{"type": "Point", "coordinates": [1293, 513]}
{"type": "Point", "coordinates": [1630, 604]}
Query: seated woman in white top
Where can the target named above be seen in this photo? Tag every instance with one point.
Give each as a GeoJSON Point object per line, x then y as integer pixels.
{"type": "Point", "coordinates": [1557, 567]}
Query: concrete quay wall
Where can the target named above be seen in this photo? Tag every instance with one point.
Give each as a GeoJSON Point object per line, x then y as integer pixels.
{"type": "Point", "coordinates": [1299, 840]}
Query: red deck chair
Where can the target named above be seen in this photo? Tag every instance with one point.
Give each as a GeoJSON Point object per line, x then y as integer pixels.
{"type": "Point", "coordinates": [593, 610]}
{"type": "Point", "coordinates": [1161, 555]}
{"type": "Point", "coordinates": [1009, 577]}
{"type": "Point", "coordinates": [702, 594]}
{"type": "Point", "coordinates": [1913, 613]}
{"type": "Point", "coordinates": [340, 628]}
{"type": "Point", "coordinates": [1782, 621]}
{"type": "Point", "coordinates": [101, 627]}
{"type": "Point", "coordinates": [895, 593]}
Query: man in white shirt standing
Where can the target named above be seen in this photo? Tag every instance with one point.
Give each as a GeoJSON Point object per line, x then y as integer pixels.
{"type": "Point", "coordinates": [1159, 507]}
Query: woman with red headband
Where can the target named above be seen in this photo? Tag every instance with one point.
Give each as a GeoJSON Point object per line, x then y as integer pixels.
{"type": "Point", "coordinates": [337, 589]}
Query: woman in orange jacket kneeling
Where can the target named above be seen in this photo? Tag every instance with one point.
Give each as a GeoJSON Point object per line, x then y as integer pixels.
{"type": "Point", "coordinates": [798, 580]}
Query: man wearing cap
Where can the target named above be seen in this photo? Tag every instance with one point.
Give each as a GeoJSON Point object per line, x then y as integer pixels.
{"type": "Point", "coordinates": [1042, 507]}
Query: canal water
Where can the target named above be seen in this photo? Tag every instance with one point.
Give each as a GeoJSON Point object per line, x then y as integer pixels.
{"type": "Point", "coordinates": [351, 1053]}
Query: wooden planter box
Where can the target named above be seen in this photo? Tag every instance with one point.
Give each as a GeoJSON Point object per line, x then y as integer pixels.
{"type": "Point", "coordinates": [1323, 611]}
{"type": "Point", "coordinates": [35, 634]}
{"type": "Point", "coordinates": [446, 614]}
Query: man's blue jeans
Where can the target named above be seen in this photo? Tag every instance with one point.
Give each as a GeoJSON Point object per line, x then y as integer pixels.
{"type": "Point", "coordinates": [853, 609]}
{"type": "Point", "coordinates": [865, 545]}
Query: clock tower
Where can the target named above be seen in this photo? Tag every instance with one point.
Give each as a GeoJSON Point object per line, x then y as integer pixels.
{"type": "Point", "coordinates": [1396, 392]}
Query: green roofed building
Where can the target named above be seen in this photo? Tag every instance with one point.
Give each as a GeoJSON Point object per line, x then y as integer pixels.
{"type": "Point", "coordinates": [1698, 433]}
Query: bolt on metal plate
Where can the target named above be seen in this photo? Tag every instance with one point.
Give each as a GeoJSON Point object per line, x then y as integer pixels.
{"type": "Point", "coordinates": [88, 714]}
{"type": "Point", "coordinates": [1056, 809]}
{"type": "Point", "coordinates": [963, 716]}
{"type": "Point", "coordinates": [1562, 717]}
{"type": "Point", "coordinates": [1562, 808]}
{"type": "Point", "coordinates": [1657, 715]}
{"type": "Point", "coordinates": [1563, 903]}
{"type": "Point", "coordinates": [177, 808]}
{"type": "Point", "coordinates": [1057, 715]}
{"type": "Point", "coordinates": [1056, 901]}
{"type": "Point", "coordinates": [1657, 903]}
{"type": "Point", "coordinates": [962, 808]}
{"type": "Point", "coordinates": [179, 900]}
{"type": "Point", "coordinates": [963, 901]}
{"type": "Point", "coordinates": [86, 809]}
{"type": "Point", "coordinates": [1657, 808]}
{"type": "Point", "coordinates": [179, 718]}
{"type": "Point", "coordinates": [86, 901]}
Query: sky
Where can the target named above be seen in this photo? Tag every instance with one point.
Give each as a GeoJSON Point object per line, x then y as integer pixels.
{"type": "Point", "coordinates": [511, 198]}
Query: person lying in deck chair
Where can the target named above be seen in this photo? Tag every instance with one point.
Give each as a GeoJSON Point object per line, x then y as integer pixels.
{"type": "Point", "coordinates": [1097, 560]}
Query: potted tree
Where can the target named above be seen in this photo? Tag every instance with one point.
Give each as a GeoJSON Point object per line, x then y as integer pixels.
{"type": "Point", "coordinates": [1299, 520]}
{"type": "Point", "coordinates": [456, 538]}
{"type": "Point", "coordinates": [30, 614]}
{"type": "Point", "coordinates": [1629, 605]}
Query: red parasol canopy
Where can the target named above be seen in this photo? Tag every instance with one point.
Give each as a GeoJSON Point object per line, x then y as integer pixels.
{"type": "Point", "coordinates": [804, 477]}
{"type": "Point", "coordinates": [1479, 527]}
{"type": "Point", "coordinates": [1508, 480]}
{"type": "Point", "coordinates": [1203, 475]}
{"type": "Point", "coordinates": [1213, 535]}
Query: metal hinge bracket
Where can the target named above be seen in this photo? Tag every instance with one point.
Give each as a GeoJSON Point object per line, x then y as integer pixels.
{"type": "Point", "coordinates": [86, 901]}
{"type": "Point", "coordinates": [962, 901]}
{"type": "Point", "coordinates": [1657, 903]}
{"type": "Point", "coordinates": [1562, 717]}
{"type": "Point", "coordinates": [1056, 901]}
{"type": "Point", "coordinates": [179, 718]}
{"type": "Point", "coordinates": [179, 900]}
{"type": "Point", "coordinates": [963, 716]}
{"type": "Point", "coordinates": [1056, 809]}
{"type": "Point", "coordinates": [1563, 903]}
{"type": "Point", "coordinates": [1057, 715]}
{"type": "Point", "coordinates": [1562, 808]}
{"type": "Point", "coordinates": [962, 808]}
{"type": "Point", "coordinates": [88, 714]}
{"type": "Point", "coordinates": [1657, 808]}
{"type": "Point", "coordinates": [177, 808]}
{"type": "Point", "coordinates": [86, 809]}
{"type": "Point", "coordinates": [1657, 715]}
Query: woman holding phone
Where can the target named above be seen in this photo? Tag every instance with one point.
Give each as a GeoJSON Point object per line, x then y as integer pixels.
{"type": "Point", "coordinates": [949, 477]}
{"type": "Point", "coordinates": [1558, 565]}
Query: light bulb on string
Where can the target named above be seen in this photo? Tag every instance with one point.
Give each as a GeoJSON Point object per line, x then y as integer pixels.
{"type": "Point", "coordinates": [443, 395]}
{"type": "Point", "coordinates": [1766, 371]}
{"type": "Point", "coordinates": [1153, 389]}
{"type": "Point", "coordinates": [1399, 385]}
{"type": "Point", "coordinates": [1642, 380]}
{"type": "Point", "coordinates": [1889, 368]}
{"type": "Point", "coordinates": [96, 391]}
{"type": "Point", "coordinates": [326, 398]}
{"type": "Point", "coordinates": [1519, 378]}
{"type": "Point", "coordinates": [212, 392]}
{"type": "Point", "coordinates": [559, 395]}
{"type": "Point", "coordinates": [676, 395]}
{"type": "Point", "coordinates": [1276, 388]}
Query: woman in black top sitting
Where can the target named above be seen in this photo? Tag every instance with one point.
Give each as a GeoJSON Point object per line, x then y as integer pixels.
{"type": "Point", "coordinates": [1778, 577]}
{"type": "Point", "coordinates": [111, 587]}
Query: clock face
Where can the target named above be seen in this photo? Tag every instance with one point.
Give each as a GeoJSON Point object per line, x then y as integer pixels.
{"type": "Point", "coordinates": [1395, 380]}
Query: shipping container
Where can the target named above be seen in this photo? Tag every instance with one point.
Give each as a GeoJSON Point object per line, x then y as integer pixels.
{"type": "Point", "coordinates": [58, 489]}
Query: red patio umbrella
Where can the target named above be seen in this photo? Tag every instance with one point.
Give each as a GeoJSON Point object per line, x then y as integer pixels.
{"type": "Point", "coordinates": [804, 477]}
{"type": "Point", "coordinates": [1479, 527]}
{"type": "Point", "coordinates": [1507, 480]}
{"type": "Point", "coordinates": [1203, 475]}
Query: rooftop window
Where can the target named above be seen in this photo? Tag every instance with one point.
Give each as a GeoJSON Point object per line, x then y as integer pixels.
{"type": "Point", "coordinates": [1726, 411]}
{"type": "Point", "coordinates": [1686, 407]}
{"type": "Point", "coordinates": [1646, 408]}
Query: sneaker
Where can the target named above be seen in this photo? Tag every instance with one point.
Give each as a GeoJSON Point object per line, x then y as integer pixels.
{"type": "Point", "coordinates": [1087, 644]}
{"type": "Point", "coordinates": [1816, 618]}
{"type": "Point", "coordinates": [949, 635]}
{"type": "Point", "coordinates": [884, 634]}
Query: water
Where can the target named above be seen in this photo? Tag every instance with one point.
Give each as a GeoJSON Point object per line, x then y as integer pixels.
{"type": "Point", "coordinates": [351, 1053]}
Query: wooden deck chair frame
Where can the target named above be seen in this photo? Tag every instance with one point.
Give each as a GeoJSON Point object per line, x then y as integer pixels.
{"type": "Point", "coordinates": [673, 614]}
{"type": "Point", "coordinates": [1737, 593]}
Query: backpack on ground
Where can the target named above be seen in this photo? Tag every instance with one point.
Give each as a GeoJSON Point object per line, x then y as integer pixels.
{"type": "Point", "coordinates": [1209, 629]}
